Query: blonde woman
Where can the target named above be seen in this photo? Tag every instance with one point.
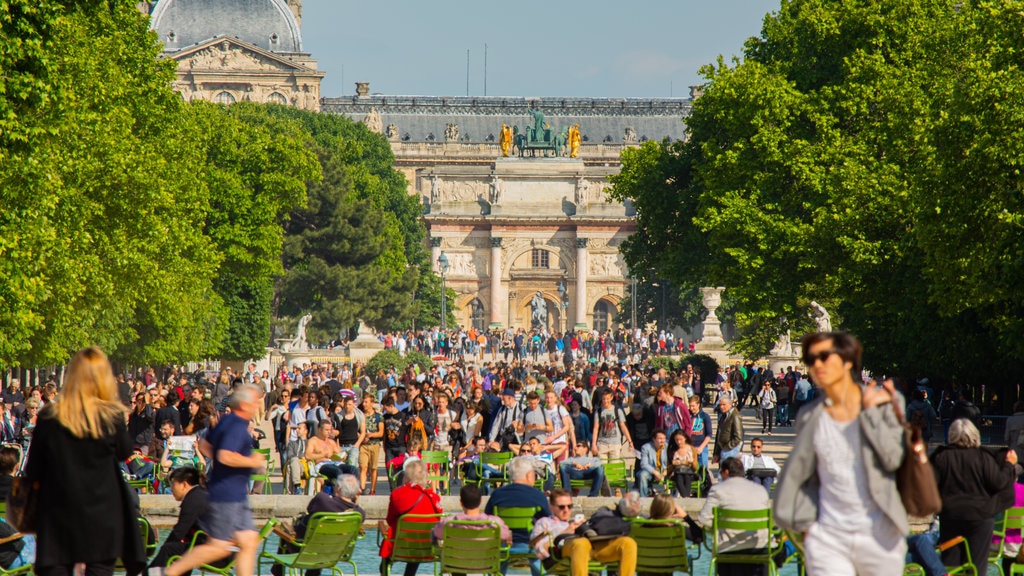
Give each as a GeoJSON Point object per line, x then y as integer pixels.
{"type": "Point", "coordinates": [83, 436]}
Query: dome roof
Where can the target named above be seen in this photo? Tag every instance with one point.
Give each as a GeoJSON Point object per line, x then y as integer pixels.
{"type": "Point", "coordinates": [268, 24]}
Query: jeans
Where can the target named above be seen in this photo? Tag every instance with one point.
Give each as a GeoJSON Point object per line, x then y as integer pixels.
{"type": "Point", "coordinates": [644, 482]}
{"type": "Point", "coordinates": [783, 415]}
{"type": "Point", "coordinates": [352, 455]}
{"type": "Point", "coordinates": [523, 548]}
{"type": "Point", "coordinates": [921, 550]}
{"type": "Point", "coordinates": [569, 472]}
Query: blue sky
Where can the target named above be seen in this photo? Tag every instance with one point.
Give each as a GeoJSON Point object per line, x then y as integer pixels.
{"type": "Point", "coordinates": [644, 48]}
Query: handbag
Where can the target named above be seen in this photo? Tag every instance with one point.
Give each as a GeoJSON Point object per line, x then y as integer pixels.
{"type": "Point", "coordinates": [915, 478]}
{"type": "Point", "coordinates": [23, 505]}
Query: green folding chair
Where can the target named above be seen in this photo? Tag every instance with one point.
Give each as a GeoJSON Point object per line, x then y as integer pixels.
{"type": "Point", "coordinates": [967, 568]}
{"type": "Point", "coordinates": [743, 521]}
{"type": "Point", "coordinates": [518, 518]}
{"type": "Point", "coordinates": [225, 568]}
{"type": "Point", "coordinates": [412, 540]}
{"type": "Point", "coordinates": [498, 460]}
{"type": "Point", "coordinates": [616, 475]}
{"type": "Point", "coordinates": [661, 546]}
{"type": "Point", "coordinates": [470, 547]}
{"type": "Point", "coordinates": [265, 476]}
{"type": "Point", "coordinates": [329, 540]}
{"type": "Point", "coordinates": [438, 464]}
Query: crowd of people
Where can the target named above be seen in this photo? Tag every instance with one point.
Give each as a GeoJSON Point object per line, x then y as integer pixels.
{"type": "Point", "coordinates": [678, 432]}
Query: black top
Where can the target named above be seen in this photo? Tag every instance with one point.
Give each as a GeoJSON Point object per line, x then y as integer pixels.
{"type": "Point", "coordinates": [974, 484]}
{"type": "Point", "coordinates": [348, 429]}
{"type": "Point", "coordinates": [193, 506]}
{"type": "Point", "coordinates": [84, 513]}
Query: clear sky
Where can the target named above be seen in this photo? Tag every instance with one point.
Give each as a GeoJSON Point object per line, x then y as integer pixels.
{"type": "Point", "coordinates": [596, 48]}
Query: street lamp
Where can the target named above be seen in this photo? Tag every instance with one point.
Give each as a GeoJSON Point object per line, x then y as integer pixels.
{"type": "Point", "coordinates": [660, 283]}
{"type": "Point", "coordinates": [443, 266]}
{"type": "Point", "coordinates": [633, 298]}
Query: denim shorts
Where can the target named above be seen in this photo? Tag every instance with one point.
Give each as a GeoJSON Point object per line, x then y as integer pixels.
{"type": "Point", "coordinates": [224, 519]}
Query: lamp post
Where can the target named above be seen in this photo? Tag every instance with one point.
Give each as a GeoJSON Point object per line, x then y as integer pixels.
{"type": "Point", "coordinates": [564, 296]}
{"type": "Point", "coordinates": [633, 299]}
{"type": "Point", "coordinates": [660, 283]}
{"type": "Point", "coordinates": [442, 266]}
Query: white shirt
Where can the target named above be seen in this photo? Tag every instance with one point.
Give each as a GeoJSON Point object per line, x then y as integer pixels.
{"type": "Point", "coordinates": [845, 501]}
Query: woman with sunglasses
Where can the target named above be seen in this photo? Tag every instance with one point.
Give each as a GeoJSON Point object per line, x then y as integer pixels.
{"type": "Point", "coordinates": [839, 485]}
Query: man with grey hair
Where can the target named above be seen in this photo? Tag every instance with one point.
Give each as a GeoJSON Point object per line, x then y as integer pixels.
{"type": "Point", "coordinates": [228, 521]}
{"type": "Point", "coordinates": [346, 492]}
{"type": "Point", "coordinates": [520, 493]}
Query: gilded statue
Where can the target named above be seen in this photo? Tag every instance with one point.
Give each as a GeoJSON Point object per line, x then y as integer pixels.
{"type": "Point", "coordinates": [574, 141]}
{"type": "Point", "coordinates": [505, 140]}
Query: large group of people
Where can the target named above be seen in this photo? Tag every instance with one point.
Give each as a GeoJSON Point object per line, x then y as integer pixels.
{"type": "Point", "coordinates": [334, 426]}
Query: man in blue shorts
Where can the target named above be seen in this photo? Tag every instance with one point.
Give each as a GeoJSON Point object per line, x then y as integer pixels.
{"type": "Point", "coordinates": [229, 519]}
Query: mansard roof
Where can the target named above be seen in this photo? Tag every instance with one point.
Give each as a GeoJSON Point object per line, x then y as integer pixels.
{"type": "Point", "coordinates": [479, 118]}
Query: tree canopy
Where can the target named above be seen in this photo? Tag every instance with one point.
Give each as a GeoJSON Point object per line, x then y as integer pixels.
{"type": "Point", "coordinates": [863, 154]}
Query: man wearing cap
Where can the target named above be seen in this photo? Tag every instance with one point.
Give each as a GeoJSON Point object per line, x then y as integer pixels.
{"type": "Point", "coordinates": [508, 423]}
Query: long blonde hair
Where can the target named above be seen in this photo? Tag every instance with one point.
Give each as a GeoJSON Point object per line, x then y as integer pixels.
{"type": "Point", "coordinates": [89, 405]}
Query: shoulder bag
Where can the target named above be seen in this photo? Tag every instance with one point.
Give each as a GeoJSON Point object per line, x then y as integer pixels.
{"type": "Point", "coordinates": [915, 478]}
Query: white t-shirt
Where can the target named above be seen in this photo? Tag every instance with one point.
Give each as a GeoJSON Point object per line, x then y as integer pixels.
{"type": "Point", "coordinates": [845, 501]}
{"type": "Point", "coordinates": [555, 416]}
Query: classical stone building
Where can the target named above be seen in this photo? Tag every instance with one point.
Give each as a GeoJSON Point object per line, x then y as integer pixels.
{"type": "Point", "coordinates": [515, 227]}
{"type": "Point", "coordinates": [236, 50]}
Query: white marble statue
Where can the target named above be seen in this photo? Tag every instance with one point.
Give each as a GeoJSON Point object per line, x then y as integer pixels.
{"type": "Point", "coordinates": [822, 319]}
{"type": "Point", "coordinates": [540, 310]}
{"type": "Point", "coordinates": [299, 343]}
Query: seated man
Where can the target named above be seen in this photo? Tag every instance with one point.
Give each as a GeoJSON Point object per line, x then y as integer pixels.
{"type": "Point", "coordinates": [735, 492]}
{"type": "Point", "coordinates": [295, 465]}
{"type": "Point", "coordinates": [760, 467]}
{"type": "Point", "coordinates": [342, 499]}
{"type": "Point", "coordinates": [581, 551]}
{"type": "Point", "coordinates": [583, 466]}
{"type": "Point", "coordinates": [186, 488]}
{"type": "Point", "coordinates": [469, 499]}
{"type": "Point", "coordinates": [321, 451]}
{"type": "Point", "coordinates": [654, 462]}
{"type": "Point", "coordinates": [520, 492]}
{"type": "Point", "coordinates": [469, 458]}
{"type": "Point", "coordinates": [543, 461]}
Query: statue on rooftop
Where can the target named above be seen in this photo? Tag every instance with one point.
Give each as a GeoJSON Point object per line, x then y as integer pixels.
{"type": "Point", "coordinates": [505, 140]}
{"type": "Point", "coordinates": [538, 120]}
{"type": "Point", "coordinates": [574, 141]}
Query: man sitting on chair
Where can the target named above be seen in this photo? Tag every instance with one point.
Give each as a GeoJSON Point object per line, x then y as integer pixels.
{"type": "Point", "coordinates": [580, 550]}
{"type": "Point", "coordinates": [520, 493]}
{"type": "Point", "coordinates": [583, 467]}
{"type": "Point", "coordinates": [654, 461]}
{"type": "Point", "coordinates": [760, 468]}
{"type": "Point", "coordinates": [735, 492]}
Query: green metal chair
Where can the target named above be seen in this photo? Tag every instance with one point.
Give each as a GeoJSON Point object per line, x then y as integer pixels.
{"type": "Point", "coordinates": [470, 548]}
{"type": "Point", "coordinates": [743, 521]}
{"type": "Point", "coordinates": [661, 546]}
{"type": "Point", "coordinates": [225, 568]}
{"type": "Point", "coordinates": [498, 460]}
{"type": "Point", "coordinates": [616, 475]}
{"type": "Point", "coordinates": [439, 470]}
{"type": "Point", "coordinates": [265, 476]}
{"type": "Point", "coordinates": [412, 540]}
{"type": "Point", "coordinates": [967, 568]}
{"type": "Point", "coordinates": [1011, 519]}
{"type": "Point", "coordinates": [329, 540]}
{"type": "Point", "coordinates": [518, 518]}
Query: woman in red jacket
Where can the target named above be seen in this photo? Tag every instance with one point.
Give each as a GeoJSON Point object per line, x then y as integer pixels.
{"type": "Point", "coordinates": [412, 497]}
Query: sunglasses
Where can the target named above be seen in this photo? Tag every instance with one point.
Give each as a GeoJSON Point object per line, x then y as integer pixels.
{"type": "Point", "coordinates": [810, 359]}
{"type": "Point", "coordinates": [563, 506]}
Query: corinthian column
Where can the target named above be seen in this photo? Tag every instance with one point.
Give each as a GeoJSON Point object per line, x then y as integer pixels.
{"type": "Point", "coordinates": [496, 287]}
{"type": "Point", "coordinates": [581, 281]}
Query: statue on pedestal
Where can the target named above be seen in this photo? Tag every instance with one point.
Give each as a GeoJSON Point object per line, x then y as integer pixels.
{"type": "Point", "coordinates": [539, 317]}
{"type": "Point", "coordinates": [505, 140]}
{"type": "Point", "coordinates": [299, 342]}
{"type": "Point", "coordinates": [574, 141]}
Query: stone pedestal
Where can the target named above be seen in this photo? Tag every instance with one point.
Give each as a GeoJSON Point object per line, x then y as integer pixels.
{"type": "Point", "coordinates": [365, 345]}
{"type": "Point", "coordinates": [712, 343]}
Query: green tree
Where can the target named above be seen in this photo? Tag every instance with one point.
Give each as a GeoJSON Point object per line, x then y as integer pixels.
{"type": "Point", "coordinates": [351, 253]}
{"type": "Point", "coordinates": [100, 193]}
{"type": "Point", "coordinates": [863, 154]}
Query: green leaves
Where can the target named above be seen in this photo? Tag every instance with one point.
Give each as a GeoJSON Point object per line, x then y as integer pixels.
{"type": "Point", "coordinates": [866, 155]}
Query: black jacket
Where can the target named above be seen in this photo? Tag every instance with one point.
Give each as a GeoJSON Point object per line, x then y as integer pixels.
{"type": "Point", "coordinates": [973, 483]}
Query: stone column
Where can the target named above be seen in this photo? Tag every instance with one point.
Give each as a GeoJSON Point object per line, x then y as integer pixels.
{"type": "Point", "coordinates": [435, 252]}
{"type": "Point", "coordinates": [582, 267]}
{"type": "Point", "coordinates": [496, 288]}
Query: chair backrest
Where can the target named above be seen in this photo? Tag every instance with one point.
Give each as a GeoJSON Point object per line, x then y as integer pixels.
{"type": "Point", "coordinates": [329, 537]}
{"type": "Point", "coordinates": [412, 538]}
{"type": "Point", "coordinates": [660, 545]}
{"type": "Point", "coordinates": [438, 464]}
{"type": "Point", "coordinates": [145, 529]}
{"type": "Point", "coordinates": [496, 459]}
{"type": "Point", "coordinates": [615, 473]}
{"type": "Point", "coordinates": [471, 548]}
{"type": "Point", "coordinates": [741, 524]}
{"type": "Point", "coordinates": [517, 517]}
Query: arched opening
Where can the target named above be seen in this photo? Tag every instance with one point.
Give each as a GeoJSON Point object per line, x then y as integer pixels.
{"type": "Point", "coordinates": [277, 98]}
{"type": "Point", "coordinates": [604, 311]}
{"type": "Point", "coordinates": [224, 98]}
{"type": "Point", "coordinates": [477, 317]}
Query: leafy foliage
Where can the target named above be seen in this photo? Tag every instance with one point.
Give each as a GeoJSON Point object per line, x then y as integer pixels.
{"type": "Point", "coordinates": [866, 155]}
